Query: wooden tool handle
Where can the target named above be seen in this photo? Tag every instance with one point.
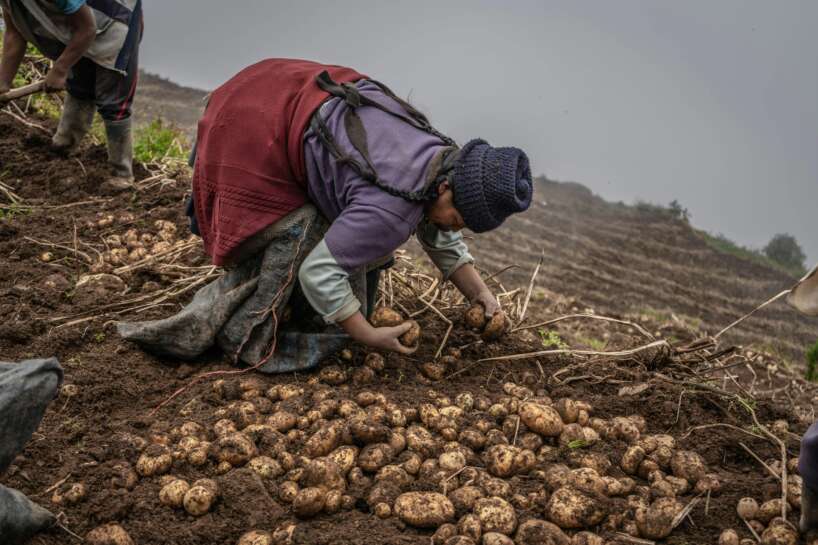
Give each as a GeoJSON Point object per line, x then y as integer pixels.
{"type": "Point", "coordinates": [24, 91]}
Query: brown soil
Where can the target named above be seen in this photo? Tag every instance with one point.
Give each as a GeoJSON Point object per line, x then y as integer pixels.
{"type": "Point", "coordinates": [587, 264]}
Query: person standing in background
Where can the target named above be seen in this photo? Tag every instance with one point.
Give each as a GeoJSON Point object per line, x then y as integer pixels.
{"type": "Point", "coordinates": [94, 45]}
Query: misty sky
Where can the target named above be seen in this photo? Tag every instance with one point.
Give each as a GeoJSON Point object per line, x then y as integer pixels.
{"type": "Point", "coordinates": [711, 103]}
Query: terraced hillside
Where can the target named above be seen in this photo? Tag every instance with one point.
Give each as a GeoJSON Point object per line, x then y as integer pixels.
{"type": "Point", "coordinates": [622, 259]}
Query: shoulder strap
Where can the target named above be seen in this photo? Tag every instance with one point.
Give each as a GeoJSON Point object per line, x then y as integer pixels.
{"type": "Point", "coordinates": [356, 132]}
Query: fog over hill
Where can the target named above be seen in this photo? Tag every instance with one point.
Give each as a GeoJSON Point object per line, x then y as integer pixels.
{"type": "Point", "coordinates": [710, 103]}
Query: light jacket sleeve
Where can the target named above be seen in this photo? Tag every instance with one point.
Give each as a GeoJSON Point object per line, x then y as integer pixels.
{"type": "Point", "coordinates": [326, 285]}
{"type": "Point", "coordinates": [446, 249]}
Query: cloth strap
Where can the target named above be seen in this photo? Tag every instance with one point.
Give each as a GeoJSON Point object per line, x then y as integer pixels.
{"type": "Point", "coordinates": [356, 132]}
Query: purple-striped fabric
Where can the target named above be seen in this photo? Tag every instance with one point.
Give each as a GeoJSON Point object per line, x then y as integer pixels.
{"type": "Point", "coordinates": [367, 222]}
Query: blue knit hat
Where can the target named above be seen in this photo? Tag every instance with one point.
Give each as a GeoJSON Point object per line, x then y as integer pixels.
{"type": "Point", "coordinates": [490, 184]}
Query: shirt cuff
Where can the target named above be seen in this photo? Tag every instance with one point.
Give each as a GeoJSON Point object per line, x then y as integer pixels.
{"type": "Point", "coordinates": [464, 259]}
{"type": "Point", "coordinates": [350, 307]}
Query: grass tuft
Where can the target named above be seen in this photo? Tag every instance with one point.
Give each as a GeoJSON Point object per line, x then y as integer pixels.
{"type": "Point", "coordinates": [159, 141]}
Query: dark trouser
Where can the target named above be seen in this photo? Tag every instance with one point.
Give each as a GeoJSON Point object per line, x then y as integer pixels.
{"type": "Point", "coordinates": [111, 91]}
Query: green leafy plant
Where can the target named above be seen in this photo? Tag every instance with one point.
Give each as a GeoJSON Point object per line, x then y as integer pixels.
{"type": "Point", "coordinates": [551, 339]}
{"type": "Point", "coordinates": [812, 363]}
{"type": "Point", "coordinates": [577, 443]}
{"type": "Point", "coordinates": [159, 141]}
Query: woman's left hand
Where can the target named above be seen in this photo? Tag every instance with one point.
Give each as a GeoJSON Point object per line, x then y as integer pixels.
{"type": "Point", "coordinates": [489, 302]}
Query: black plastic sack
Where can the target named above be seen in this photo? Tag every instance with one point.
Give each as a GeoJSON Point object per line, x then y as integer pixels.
{"type": "Point", "coordinates": [26, 389]}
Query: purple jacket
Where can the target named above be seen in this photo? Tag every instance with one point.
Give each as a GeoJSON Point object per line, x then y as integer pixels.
{"type": "Point", "coordinates": [366, 222]}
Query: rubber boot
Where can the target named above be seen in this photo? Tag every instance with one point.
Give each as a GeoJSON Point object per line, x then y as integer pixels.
{"type": "Point", "coordinates": [75, 121]}
{"type": "Point", "coordinates": [120, 155]}
{"type": "Point", "coordinates": [809, 509]}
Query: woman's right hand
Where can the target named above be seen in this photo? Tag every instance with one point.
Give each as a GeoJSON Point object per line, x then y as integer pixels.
{"type": "Point", "coordinates": [382, 338]}
{"type": "Point", "coordinates": [388, 338]}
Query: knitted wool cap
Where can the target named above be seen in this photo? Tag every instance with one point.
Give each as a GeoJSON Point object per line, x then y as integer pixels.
{"type": "Point", "coordinates": [490, 184]}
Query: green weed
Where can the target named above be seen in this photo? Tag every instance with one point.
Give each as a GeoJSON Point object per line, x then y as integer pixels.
{"type": "Point", "coordinates": [551, 339]}
{"type": "Point", "coordinates": [577, 443]}
{"type": "Point", "coordinates": [159, 141]}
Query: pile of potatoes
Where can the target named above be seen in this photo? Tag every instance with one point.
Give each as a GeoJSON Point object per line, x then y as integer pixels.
{"type": "Point", "coordinates": [519, 467]}
{"type": "Point", "coordinates": [133, 246]}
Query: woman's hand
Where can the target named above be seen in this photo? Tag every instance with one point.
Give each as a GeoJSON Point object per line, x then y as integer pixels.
{"type": "Point", "coordinates": [382, 338]}
{"type": "Point", "coordinates": [388, 338]}
{"type": "Point", "coordinates": [489, 302]}
{"type": "Point", "coordinates": [468, 281]}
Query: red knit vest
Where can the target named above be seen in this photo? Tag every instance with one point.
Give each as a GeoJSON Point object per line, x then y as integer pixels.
{"type": "Point", "coordinates": [249, 169]}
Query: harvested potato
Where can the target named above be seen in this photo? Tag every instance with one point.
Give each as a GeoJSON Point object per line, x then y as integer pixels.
{"type": "Point", "coordinates": [452, 461]}
{"type": "Point", "coordinates": [236, 448]}
{"type": "Point", "coordinates": [70, 494]}
{"type": "Point", "coordinates": [444, 533]}
{"type": "Point", "coordinates": [424, 509]}
{"type": "Point", "coordinates": [109, 534]}
{"type": "Point", "coordinates": [375, 456]}
{"type": "Point", "coordinates": [412, 337]}
{"type": "Point", "coordinates": [309, 502]}
{"type": "Point", "coordinates": [155, 460]}
{"type": "Point", "coordinates": [687, 465]}
{"type": "Point", "coordinates": [460, 540]}
{"type": "Point", "coordinates": [475, 317]}
{"type": "Point", "coordinates": [362, 375]}
{"type": "Point", "coordinates": [433, 370]}
{"type": "Point", "coordinates": [333, 502]}
{"type": "Point", "coordinates": [541, 419]}
{"type": "Point", "coordinates": [287, 491]}
{"type": "Point", "coordinates": [496, 327]}
{"type": "Point", "coordinates": [729, 537]}
{"type": "Point", "coordinates": [540, 532]}
{"type": "Point", "coordinates": [570, 508]}
{"type": "Point", "coordinates": [344, 457]}
{"type": "Point", "coordinates": [496, 487]}
{"type": "Point", "coordinates": [420, 440]}
{"type": "Point", "coordinates": [779, 534]}
{"type": "Point", "coordinates": [496, 515]}
{"type": "Point", "coordinates": [375, 362]}
{"type": "Point", "coordinates": [656, 521]}
{"type": "Point", "coordinates": [747, 508]}
{"type": "Point", "coordinates": [680, 486]}
{"type": "Point", "coordinates": [769, 510]}
{"type": "Point", "coordinates": [494, 538]}
{"type": "Point", "coordinates": [255, 537]}
{"type": "Point", "coordinates": [282, 421]}
{"type": "Point", "coordinates": [366, 431]}
{"type": "Point", "coordinates": [323, 473]}
{"type": "Point", "coordinates": [265, 467]}
{"type": "Point", "coordinates": [587, 538]}
{"type": "Point", "coordinates": [332, 375]}
{"type": "Point", "coordinates": [500, 460]}
{"type": "Point", "coordinates": [198, 500]}
{"type": "Point", "coordinates": [386, 317]}
{"type": "Point", "coordinates": [624, 429]}
{"type": "Point", "coordinates": [324, 441]}
{"type": "Point", "coordinates": [709, 484]}
{"type": "Point", "coordinates": [123, 476]}
{"type": "Point", "coordinates": [464, 498]}
{"type": "Point", "coordinates": [587, 480]}
{"type": "Point", "coordinates": [173, 493]}
{"type": "Point", "coordinates": [568, 410]}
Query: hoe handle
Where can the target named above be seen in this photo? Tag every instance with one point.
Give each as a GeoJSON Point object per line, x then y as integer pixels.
{"type": "Point", "coordinates": [23, 91]}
